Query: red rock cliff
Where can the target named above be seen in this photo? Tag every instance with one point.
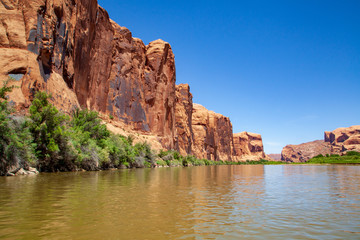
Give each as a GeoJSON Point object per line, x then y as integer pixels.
{"type": "Point", "coordinates": [67, 47]}
{"type": "Point", "coordinates": [212, 135]}
{"type": "Point", "coordinates": [183, 119]}
{"type": "Point", "coordinates": [72, 49]}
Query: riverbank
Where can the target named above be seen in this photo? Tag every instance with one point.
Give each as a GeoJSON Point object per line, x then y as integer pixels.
{"type": "Point", "coordinates": [174, 159]}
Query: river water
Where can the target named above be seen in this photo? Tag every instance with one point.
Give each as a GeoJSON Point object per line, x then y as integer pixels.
{"type": "Point", "coordinates": [210, 202]}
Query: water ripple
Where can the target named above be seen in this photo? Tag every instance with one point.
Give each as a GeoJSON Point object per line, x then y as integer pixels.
{"type": "Point", "coordinates": [218, 202]}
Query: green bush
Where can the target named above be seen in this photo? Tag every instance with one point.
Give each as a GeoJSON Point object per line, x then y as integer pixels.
{"type": "Point", "coordinates": [144, 154]}
{"type": "Point", "coordinates": [16, 148]}
{"type": "Point", "coordinates": [118, 149]}
{"type": "Point", "coordinates": [51, 136]}
{"type": "Point", "coordinates": [160, 162]}
{"type": "Point", "coordinates": [353, 153]}
{"type": "Point", "coordinates": [89, 121]}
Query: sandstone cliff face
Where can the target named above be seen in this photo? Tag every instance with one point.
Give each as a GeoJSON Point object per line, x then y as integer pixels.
{"type": "Point", "coordinates": [344, 139]}
{"type": "Point", "coordinates": [305, 151]}
{"type": "Point", "coordinates": [71, 49]}
{"type": "Point", "coordinates": [338, 141]}
{"type": "Point", "coordinates": [39, 43]}
{"type": "Point", "coordinates": [52, 42]}
{"type": "Point", "coordinates": [248, 146]}
{"type": "Point", "coordinates": [212, 135]}
{"type": "Point", "coordinates": [183, 119]}
{"type": "Point", "coordinates": [159, 89]}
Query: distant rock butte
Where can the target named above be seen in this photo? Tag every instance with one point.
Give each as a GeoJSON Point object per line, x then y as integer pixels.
{"type": "Point", "coordinates": [275, 156]}
{"type": "Point", "coordinates": [248, 146]}
{"type": "Point", "coordinates": [71, 49]}
{"type": "Point", "coordinates": [344, 139]}
{"type": "Point", "coordinates": [304, 151]}
{"type": "Point", "coordinates": [339, 141]}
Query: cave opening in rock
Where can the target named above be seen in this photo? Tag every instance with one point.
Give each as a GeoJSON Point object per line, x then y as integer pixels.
{"type": "Point", "coordinates": [17, 74]}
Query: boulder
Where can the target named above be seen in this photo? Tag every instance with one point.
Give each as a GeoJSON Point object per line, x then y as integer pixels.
{"type": "Point", "coordinates": [20, 172]}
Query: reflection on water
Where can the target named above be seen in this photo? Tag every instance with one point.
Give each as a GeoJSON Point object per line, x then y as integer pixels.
{"type": "Point", "coordinates": [218, 202]}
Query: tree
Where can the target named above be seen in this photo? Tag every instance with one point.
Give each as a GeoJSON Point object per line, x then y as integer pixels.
{"type": "Point", "coordinates": [50, 135]}
{"type": "Point", "coordinates": [89, 121]}
{"type": "Point", "coordinates": [16, 148]}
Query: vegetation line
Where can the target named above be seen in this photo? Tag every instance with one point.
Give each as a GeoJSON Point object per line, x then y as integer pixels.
{"type": "Point", "coordinates": [51, 141]}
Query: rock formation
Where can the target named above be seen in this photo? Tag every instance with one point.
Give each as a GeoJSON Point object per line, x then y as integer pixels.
{"type": "Point", "coordinates": [71, 49]}
{"type": "Point", "coordinates": [183, 119]}
{"type": "Point", "coordinates": [275, 156]}
{"type": "Point", "coordinates": [344, 139]}
{"type": "Point", "coordinates": [338, 141]}
{"type": "Point", "coordinates": [248, 146]}
{"type": "Point", "coordinates": [304, 151]}
{"type": "Point", "coordinates": [212, 135]}
{"type": "Point", "coordinates": [74, 43]}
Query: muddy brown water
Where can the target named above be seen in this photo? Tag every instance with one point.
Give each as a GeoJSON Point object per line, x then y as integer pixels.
{"type": "Point", "coordinates": [210, 202]}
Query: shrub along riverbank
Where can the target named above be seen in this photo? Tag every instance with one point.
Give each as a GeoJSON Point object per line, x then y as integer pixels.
{"type": "Point", "coordinates": [52, 141]}
{"type": "Point", "coordinates": [350, 157]}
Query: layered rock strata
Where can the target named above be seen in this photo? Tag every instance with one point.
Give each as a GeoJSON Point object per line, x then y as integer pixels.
{"type": "Point", "coordinates": [71, 49]}
{"type": "Point", "coordinates": [183, 119]}
{"type": "Point", "coordinates": [48, 44]}
{"type": "Point", "coordinates": [212, 135]}
{"type": "Point", "coordinates": [339, 141]}
{"type": "Point", "coordinates": [344, 139]}
{"type": "Point", "coordinates": [248, 146]}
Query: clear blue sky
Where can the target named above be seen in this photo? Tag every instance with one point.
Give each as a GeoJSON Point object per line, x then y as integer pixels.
{"type": "Point", "coordinates": [287, 69]}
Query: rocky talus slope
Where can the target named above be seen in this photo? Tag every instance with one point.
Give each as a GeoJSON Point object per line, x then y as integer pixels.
{"type": "Point", "coordinates": [339, 141]}
{"type": "Point", "coordinates": [73, 50]}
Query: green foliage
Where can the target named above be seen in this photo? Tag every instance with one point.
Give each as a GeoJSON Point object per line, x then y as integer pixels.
{"type": "Point", "coordinates": [161, 163]}
{"type": "Point", "coordinates": [4, 90]}
{"type": "Point", "coordinates": [162, 153]}
{"type": "Point", "coordinates": [51, 135]}
{"type": "Point", "coordinates": [89, 121]}
{"type": "Point", "coordinates": [353, 153]}
{"type": "Point", "coordinates": [350, 157]}
{"type": "Point", "coordinates": [16, 148]}
{"type": "Point", "coordinates": [120, 150]}
{"type": "Point", "coordinates": [144, 157]}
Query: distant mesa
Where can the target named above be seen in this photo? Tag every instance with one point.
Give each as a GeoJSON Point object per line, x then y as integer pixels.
{"type": "Point", "coordinates": [339, 141]}
{"type": "Point", "coordinates": [275, 156]}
